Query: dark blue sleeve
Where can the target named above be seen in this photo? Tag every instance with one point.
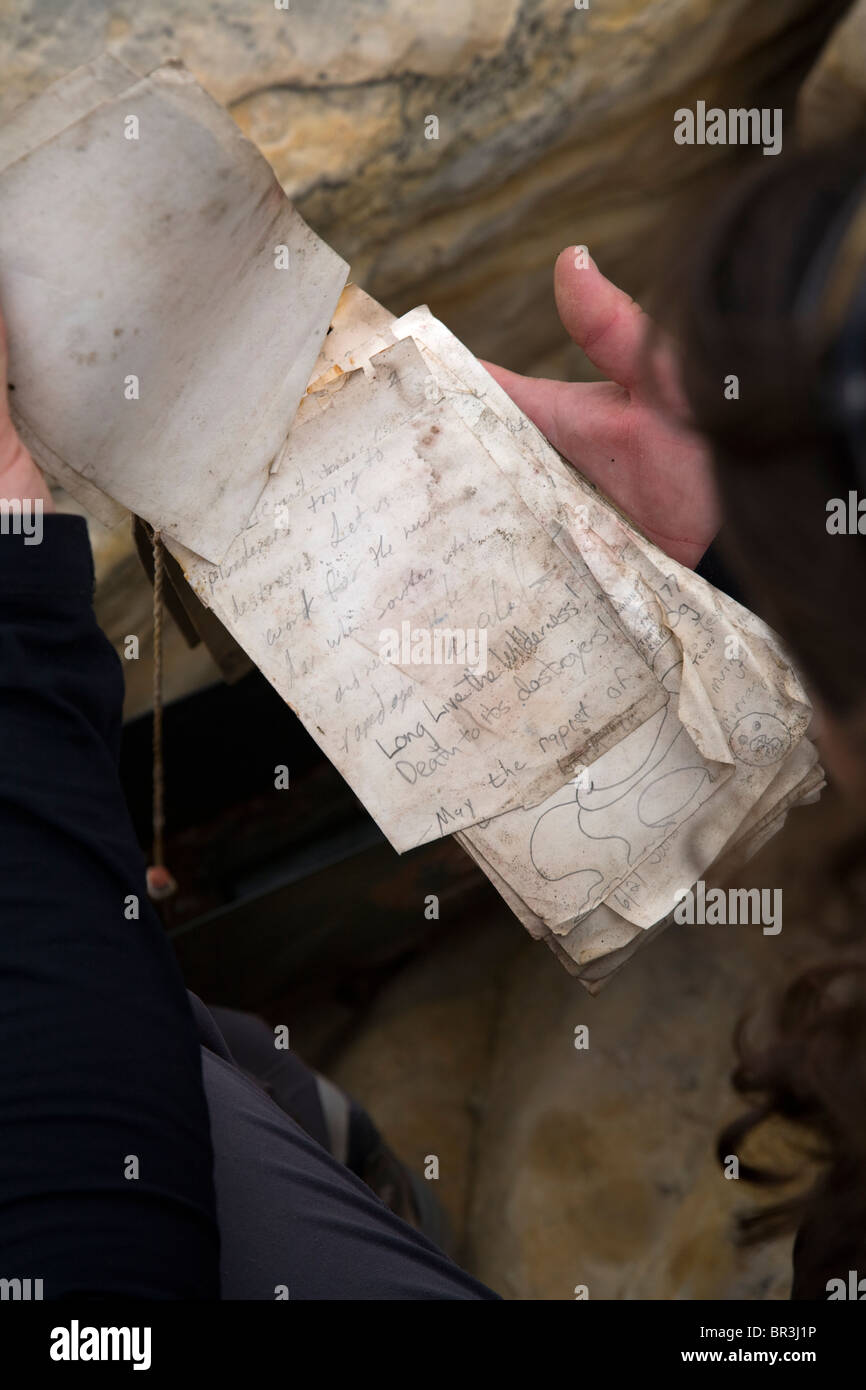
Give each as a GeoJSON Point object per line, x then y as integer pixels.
{"type": "Point", "coordinates": [106, 1181]}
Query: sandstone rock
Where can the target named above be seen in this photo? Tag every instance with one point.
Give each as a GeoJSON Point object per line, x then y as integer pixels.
{"type": "Point", "coordinates": [244, 46]}
{"type": "Point", "coordinates": [555, 125]}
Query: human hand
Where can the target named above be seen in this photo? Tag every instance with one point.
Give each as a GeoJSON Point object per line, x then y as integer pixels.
{"type": "Point", "coordinates": [19, 477]}
{"type": "Point", "coordinates": [616, 432]}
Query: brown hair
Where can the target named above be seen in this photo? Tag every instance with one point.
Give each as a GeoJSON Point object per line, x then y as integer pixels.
{"type": "Point", "coordinates": [782, 450]}
{"type": "Point", "coordinates": [751, 305]}
{"type": "Point", "coordinates": [806, 1064]}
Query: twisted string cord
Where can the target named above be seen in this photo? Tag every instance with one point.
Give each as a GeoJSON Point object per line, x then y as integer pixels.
{"type": "Point", "coordinates": [158, 765]}
{"type": "Point", "coordinates": [160, 883]}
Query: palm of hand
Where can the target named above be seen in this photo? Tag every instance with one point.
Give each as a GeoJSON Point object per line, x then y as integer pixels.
{"type": "Point", "coordinates": [614, 432]}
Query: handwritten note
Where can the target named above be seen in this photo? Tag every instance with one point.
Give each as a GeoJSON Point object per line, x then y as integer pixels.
{"type": "Point", "coordinates": [654, 813]}
{"type": "Point", "coordinates": [387, 509]}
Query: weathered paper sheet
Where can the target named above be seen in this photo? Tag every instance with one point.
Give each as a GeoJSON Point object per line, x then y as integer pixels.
{"type": "Point", "coordinates": [170, 311]}
{"type": "Point", "coordinates": [736, 714]}
{"type": "Point", "coordinates": [478, 641]}
{"type": "Point", "coordinates": [339, 552]}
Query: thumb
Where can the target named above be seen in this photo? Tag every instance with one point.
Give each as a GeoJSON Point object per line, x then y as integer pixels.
{"type": "Point", "coordinates": [601, 318]}
{"type": "Point", "coordinates": [614, 332]}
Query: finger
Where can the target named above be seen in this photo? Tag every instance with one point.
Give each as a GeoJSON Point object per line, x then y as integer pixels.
{"type": "Point", "coordinates": [20, 476]}
{"type": "Point", "coordinates": [4, 360]}
{"type": "Point", "coordinates": [603, 320]}
{"type": "Point", "coordinates": [574, 416]}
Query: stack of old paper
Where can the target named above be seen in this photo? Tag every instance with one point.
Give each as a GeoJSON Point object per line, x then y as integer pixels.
{"type": "Point", "coordinates": [597, 726]}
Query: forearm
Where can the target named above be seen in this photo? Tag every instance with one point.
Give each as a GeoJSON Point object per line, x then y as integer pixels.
{"type": "Point", "coordinates": [100, 1075]}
